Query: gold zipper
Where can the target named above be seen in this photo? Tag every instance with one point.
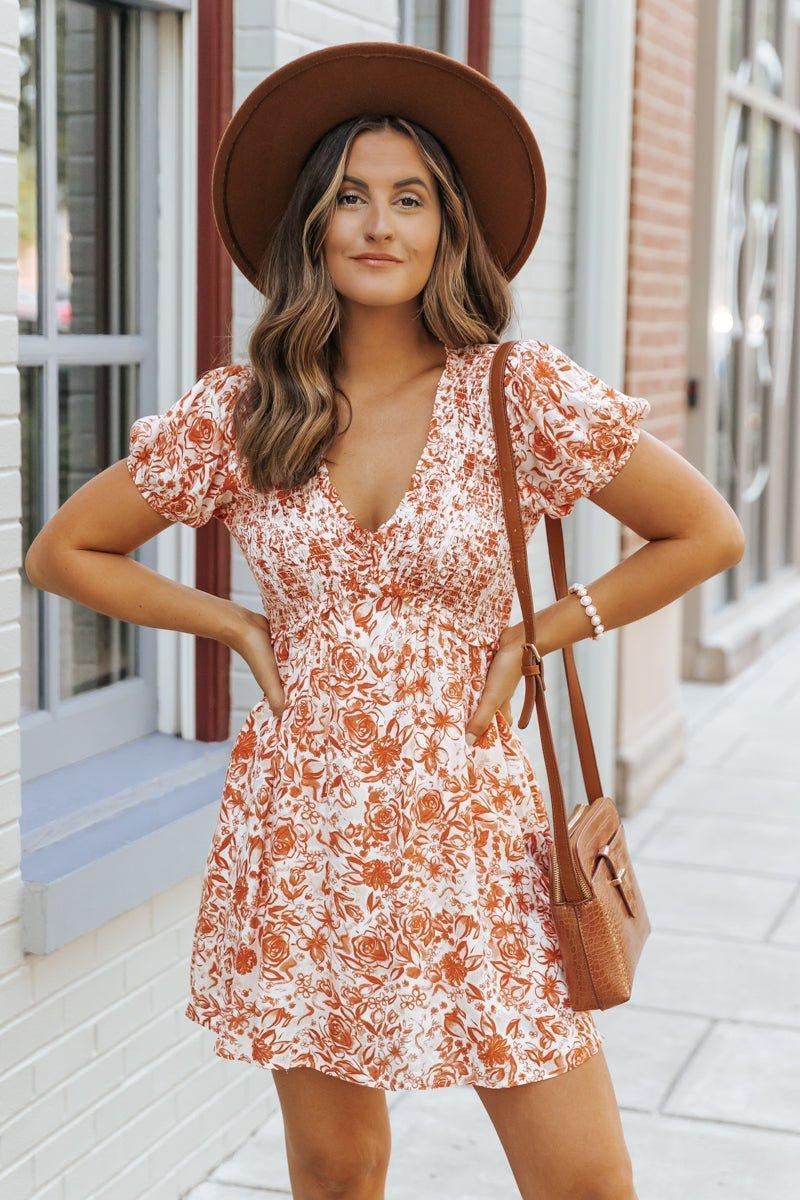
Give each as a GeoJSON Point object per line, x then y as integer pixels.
{"type": "Point", "coordinates": [556, 875]}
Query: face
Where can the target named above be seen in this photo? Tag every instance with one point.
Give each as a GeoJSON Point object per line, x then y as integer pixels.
{"type": "Point", "coordinates": [387, 204]}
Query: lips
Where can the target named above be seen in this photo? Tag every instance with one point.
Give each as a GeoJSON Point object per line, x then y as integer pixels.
{"type": "Point", "coordinates": [375, 258]}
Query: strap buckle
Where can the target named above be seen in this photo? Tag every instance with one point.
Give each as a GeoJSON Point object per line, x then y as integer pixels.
{"type": "Point", "coordinates": [532, 661]}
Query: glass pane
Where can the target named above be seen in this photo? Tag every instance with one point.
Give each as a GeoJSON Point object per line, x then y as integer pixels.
{"type": "Point", "coordinates": [768, 20]}
{"type": "Point", "coordinates": [790, 503]}
{"type": "Point", "coordinates": [95, 175]}
{"type": "Point", "coordinates": [28, 307]}
{"type": "Point", "coordinates": [737, 42]}
{"type": "Point", "coordinates": [430, 24]}
{"type": "Point", "coordinates": [727, 326]}
{"type": "Point", "coordinates": [32, 598]}
{"type": "Point", "coordinates": [767, 67]}
{"type": "Point", "coordinates": [756, 399]}
{"type": "Point", "coordinates": [95, 410]}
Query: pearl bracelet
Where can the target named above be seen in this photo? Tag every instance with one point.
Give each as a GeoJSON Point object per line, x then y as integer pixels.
{"type": "Point", "coordinates": [598, 628]}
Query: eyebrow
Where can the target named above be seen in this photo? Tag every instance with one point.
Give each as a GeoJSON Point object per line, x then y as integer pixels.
{"type": "Point", "coordinates": [397, 183]}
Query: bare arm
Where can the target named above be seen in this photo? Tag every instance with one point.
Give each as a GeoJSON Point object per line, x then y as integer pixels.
{"type": "Point", "coordinates": [82, 553]}
{"type": "Point", "coordinates": [691, 533]}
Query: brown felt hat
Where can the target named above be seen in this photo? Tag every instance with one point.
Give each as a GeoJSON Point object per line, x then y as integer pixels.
{"type": "Point", "coordinates": [270, 135]}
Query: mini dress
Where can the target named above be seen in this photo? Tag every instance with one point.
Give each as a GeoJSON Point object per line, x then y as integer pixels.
{"type": "Point", "coordinates": [374, 902]}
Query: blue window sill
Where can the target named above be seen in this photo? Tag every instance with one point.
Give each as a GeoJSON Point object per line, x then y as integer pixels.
{"type": "Point", "coordinates": [103, 836]}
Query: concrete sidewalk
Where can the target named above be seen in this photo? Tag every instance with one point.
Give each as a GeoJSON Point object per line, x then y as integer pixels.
{"type": "Point", "coordinates": [705, 1056]}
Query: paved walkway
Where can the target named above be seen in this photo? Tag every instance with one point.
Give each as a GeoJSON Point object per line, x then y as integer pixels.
{"type": "Point", "coordinates": [705, 1056]}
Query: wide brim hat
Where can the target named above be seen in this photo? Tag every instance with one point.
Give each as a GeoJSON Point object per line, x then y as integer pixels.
{"type": "Point", "coordinates": [269, 137]}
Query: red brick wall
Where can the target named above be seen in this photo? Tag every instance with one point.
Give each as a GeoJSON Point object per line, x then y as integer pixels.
{"type": "Point", "coordinates": [660, 211]}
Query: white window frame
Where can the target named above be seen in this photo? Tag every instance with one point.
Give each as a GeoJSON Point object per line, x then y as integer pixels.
{"type": "Point", "coordinates": [161, 695]}
{"type": "Point", "coordinates": [177, 338]}
{"type": "Point", "coordinates": [107, 833]}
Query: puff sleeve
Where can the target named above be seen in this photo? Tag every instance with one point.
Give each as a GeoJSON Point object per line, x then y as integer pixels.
{"type": "Point", "coordinates": [571, 431]}
{"type": "Point", "coordinates": [182, 460]}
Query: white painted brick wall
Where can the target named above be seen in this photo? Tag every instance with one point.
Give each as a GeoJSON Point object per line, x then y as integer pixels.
{"type": "Point", "coordinates": [107, 1089]}
{"type": "Point", "coordinates": [535, 59]}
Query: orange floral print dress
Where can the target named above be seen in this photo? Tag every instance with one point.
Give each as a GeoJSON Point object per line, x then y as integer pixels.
{"type": "Point", "coordinates": [375, 901]}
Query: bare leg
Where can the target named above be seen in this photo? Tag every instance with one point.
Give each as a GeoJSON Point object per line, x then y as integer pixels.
{"type": "Point", "coordinates": [337, 1135]}
{"type": "Point", "coordinates": [563, 1136]}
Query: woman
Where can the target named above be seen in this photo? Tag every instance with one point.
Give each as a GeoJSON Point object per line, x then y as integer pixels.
{"type": "Point", "coordinates": [374, 913]}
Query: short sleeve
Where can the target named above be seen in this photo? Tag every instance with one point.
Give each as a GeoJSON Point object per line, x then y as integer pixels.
{"type": "Point", "coordinates": [181, 460]}
{"type": "Point", "coordinates": [571, 432]}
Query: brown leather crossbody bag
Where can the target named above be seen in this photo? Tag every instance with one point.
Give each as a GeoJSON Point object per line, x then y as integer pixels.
{"type": "Point", "coordinates": [597, 907]}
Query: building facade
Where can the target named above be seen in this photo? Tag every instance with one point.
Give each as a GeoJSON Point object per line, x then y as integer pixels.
{"type": "Point", "coordinates": [667, 263]}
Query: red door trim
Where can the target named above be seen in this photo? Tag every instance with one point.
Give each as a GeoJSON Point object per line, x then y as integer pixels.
{"type": "Point", "coordinates": [214, 317]}
{"type": "Point", "coordinates": [479, 34]}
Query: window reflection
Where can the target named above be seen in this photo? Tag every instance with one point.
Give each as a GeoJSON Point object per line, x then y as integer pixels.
{"type": "Point", "coordinates": [430, 24]}
{"type": "Point", "coordinates": [738, 22]}
{"type": "Point", "coordinates": [96, 410]}
{"type": "Point", "coordinates": [28, 305]}
{"type": "Point", "coordinates": [95, 169]}
{"type": "Point", "coordinates": [32, 598]}
{"type": "Point", "coordinates": [757, 394]}
{"type": "Point", "coordinates": [767, 66]}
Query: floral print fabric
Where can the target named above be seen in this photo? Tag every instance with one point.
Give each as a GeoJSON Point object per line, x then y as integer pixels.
{"type": "Point", "coordinates": [375, 897]}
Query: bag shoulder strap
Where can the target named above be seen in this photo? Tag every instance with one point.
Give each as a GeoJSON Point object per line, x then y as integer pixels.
{"type": "Point", "coordinates": [531, 659]}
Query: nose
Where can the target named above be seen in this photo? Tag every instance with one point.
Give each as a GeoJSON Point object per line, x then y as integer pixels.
{"type": "Point", "coordinates": [377, 222]}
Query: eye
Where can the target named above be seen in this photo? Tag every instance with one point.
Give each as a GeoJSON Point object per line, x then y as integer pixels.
{"type": "Point", "coordinates": [340, 199]}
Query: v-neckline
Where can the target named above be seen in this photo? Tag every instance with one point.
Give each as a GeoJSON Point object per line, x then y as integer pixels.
{"type": "Point", "coordinates": [434, 433]}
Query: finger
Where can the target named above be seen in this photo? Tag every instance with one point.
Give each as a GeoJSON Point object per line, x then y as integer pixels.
{"type": "Point", "coordinates": [274, 695]}
{"type": "Point", "coordinates": [262, 663]}
{"type": "Point", "coordinates": [481, 719]}
{"type": "Point", "coordinates": [268, 678]}
{"type": "Point", "coordinates": [275, 704]}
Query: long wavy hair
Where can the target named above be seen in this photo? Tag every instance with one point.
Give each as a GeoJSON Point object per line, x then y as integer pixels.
{"type": "Point", "coordinates": [287, 417]}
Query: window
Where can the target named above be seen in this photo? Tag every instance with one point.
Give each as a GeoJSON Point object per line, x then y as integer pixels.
{"type": "Point", "coordinates": [754, 306]}
{"type": "Point", "coordinates": [436, 24]}
{"type": "Point", "coordinates": [112, 806]}
{"type": "Point", "coordinates": [87, 295]}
